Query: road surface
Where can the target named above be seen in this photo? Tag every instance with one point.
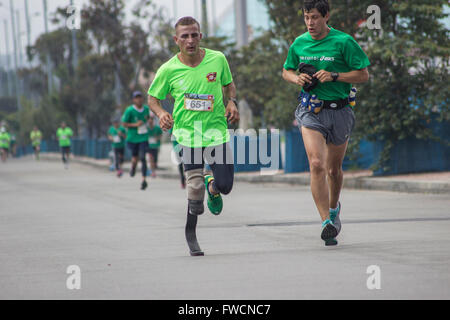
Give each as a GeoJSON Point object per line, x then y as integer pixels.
{"type": "Point", "coordinates": [129, 244]}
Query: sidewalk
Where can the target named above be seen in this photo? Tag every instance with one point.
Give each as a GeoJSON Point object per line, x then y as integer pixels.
{"type": "Point", "coordinates": [433, 183]}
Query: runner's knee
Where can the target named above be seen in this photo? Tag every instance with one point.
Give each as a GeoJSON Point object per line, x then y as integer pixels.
{"type": "Point", "coordinates": [195, 184]}
{"type": "Point", "coordinates": [196, 191]}
{"type": "Point", "coordinates": [223, 186]}
{"type": "Point", "coordinates": [335, 172]}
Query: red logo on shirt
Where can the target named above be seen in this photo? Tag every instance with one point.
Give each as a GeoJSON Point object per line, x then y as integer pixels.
{"type": "Point", "coordinates": [211, 76]}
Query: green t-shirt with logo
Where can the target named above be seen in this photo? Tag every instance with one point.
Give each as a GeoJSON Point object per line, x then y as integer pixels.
{"type": "Point", "coordinates": [199, 111]}
{"type": "Point", "coordinates": [133, 115]}
{"type": "Point", "coordinates": [5, 140]}
{"type": "Point", "coordinates": [337, 52]}
{"type": "Point", "coordinates": [153, 137]}
{"type": "Point", "coordinates": [35, 137]}
{"type": "Point", "coordinates": [118, 140]}
{"type": "Point", "coordinates": [64, 136]}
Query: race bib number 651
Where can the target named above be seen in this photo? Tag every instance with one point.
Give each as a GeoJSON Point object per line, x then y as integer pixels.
{"type": "Point", "coordinates": [198, 102]}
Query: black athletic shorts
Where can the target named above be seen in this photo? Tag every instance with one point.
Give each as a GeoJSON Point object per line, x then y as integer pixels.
{"type": "Point", "coordinates": [138, 148]}
{"type": "Point", "coordinates": [219, 158]}
{"type": "Point", "coordinates": [154, 153]}
{"type": "Point", "coordinates": [65, 149]}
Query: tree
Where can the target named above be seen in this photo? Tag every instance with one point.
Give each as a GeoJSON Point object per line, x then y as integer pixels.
{"type": "Point", "coordinates": [258, 77]}
{"type": "Point", "coordinates": [106, 44]}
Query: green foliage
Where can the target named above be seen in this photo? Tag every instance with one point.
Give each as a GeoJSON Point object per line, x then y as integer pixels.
{"type": "Point", "coordinates": [408, 74]}
{"type": "Point", "coordinates": [105, 44]}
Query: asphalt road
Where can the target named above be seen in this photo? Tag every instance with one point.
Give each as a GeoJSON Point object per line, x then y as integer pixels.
{"type": "Point", "coordinates": [129, 244]}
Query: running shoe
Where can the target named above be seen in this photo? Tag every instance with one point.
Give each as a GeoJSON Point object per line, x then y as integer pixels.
{"type": "Point", "coordinates": [119, 173]}
{"type": "Point", "coordinates": [329, 231]}
{"type": "Point", "coordinates": [335, 217]}
{"type": "Point", "coordinates": [215, 203]}
{"type": "Point", "coordinates": [144, 185]}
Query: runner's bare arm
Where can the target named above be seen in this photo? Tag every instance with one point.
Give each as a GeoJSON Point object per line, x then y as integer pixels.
{"type": "Point", "coordinates": [165, 118]}
{"type": "Point", "coordinates": [354, 76]}
{"type": "Point", "coordinates": [231, 110]}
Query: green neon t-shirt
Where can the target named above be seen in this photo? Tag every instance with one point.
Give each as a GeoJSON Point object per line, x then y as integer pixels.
{"type": "Point", "coordinates": [35, 137]}
{"type": "Point", "coordinates": [337, 52]}
{"type": "Point", "coordinates": [153, 137]}
{"type": "Point", "coordinates": [64, 136]}
{"type": "Point", "coordinates": [199, 111]}
{"type": "Point", "coordinates": [118, 140]}
{"type": "Point", "coordinates": [133, 115]}
{"type": "Point", "coordinates": [5, 140]}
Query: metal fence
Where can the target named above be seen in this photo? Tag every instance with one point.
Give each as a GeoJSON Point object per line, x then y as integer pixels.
{"type": "Point", "coordinates": [410, 155]}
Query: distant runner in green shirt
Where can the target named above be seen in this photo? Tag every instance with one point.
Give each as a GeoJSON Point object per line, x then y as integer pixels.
{"type": "Point", "coordinates": [196, 78]}
{"type": "Point", "coordinates": [5, 140]}
{"type": "Point", "coordinates": [64, 134]}
{"type": "Point", "coordinates": [135, 120]}
{"type": "Point", "coordinates": [329, 61]}
{"type": "Point", "coordinates": [117, 135]}
{"type": "Point", "coordinates": [13, 145]}
{"type": "Point", "coordinates": [36, 138]}
{"type": "Point", "coordinates": [154, 143]}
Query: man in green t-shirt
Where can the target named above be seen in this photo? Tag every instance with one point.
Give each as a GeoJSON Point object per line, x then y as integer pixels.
{"type": "Point", "coordinates": [64, 133]}
{"type": "Point", "coordinates": [329, 62]}
{"type": "Point", "coordinates": [135, 120]}
{"type": "Point", "coordinates": [195, 78]}
{"type": "Point", "coordinates": [13, 145]}
{"type": "Point", "coordinates": [154, 143]}
{"type": "Point", "coordinates": [36, 138]}
{"type": "Point", "coordinates": [5, 140]}
{"type": "Point", "coordinates": [117, 135]}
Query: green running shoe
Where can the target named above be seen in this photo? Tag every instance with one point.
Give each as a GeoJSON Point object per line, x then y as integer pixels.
{"type": "Point", "coordinates": [329, 231]}
{"type": "Point", "coordinates": [215, 203]}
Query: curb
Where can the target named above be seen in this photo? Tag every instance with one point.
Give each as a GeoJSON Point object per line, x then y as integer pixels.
{"type": "Point", "coordinates": [358, 183]}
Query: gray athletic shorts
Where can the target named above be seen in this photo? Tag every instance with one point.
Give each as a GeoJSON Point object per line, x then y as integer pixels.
{"type": "Point", "coordinates": [336, 126]}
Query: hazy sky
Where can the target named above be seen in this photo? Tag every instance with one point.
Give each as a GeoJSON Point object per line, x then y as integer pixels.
{"type": "Point", "coordinates": [183, 8]}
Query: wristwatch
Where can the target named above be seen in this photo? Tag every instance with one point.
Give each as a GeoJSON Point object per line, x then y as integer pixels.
{"type": "Point", "coordinates": [234, 100]}
{"type": "Point", "coordinates": [335, 76]}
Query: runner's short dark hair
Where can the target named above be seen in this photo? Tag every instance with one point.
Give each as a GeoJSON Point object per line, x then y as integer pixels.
{"type": "Point", "coordinates": [321, 5]}
{"type": "Point", "coordinates": [187, 21]}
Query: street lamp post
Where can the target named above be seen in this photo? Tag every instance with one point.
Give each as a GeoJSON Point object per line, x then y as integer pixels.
{"type": "Point", "coordinates": [8, 62]}
{"type": "Point", "coordinates": [49, 66]}
{"type": "Point", "coordinates": [11, 7]}
{"type": "Point", "coordinates": [205, 18]}
{"type": "Point", "coordinates": [19, 39]}
{"type": "Point", "coordinates": [74, 46]}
